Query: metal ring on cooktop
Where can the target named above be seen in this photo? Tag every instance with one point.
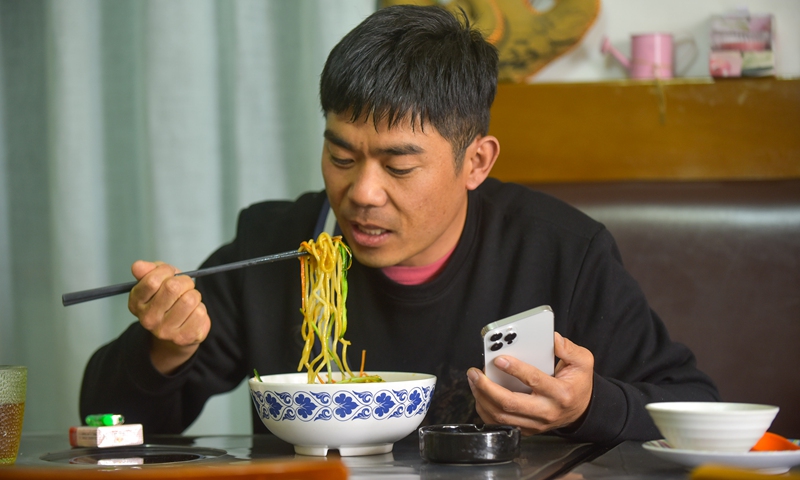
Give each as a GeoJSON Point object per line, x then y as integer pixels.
{"type": "Point", "coordinates": [133, 455]}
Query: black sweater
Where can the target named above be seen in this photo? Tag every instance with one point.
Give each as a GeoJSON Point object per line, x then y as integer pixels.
{"type": "Point", "coordinates": [519, 249]}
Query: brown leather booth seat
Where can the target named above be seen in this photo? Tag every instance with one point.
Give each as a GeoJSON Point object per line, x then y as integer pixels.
{"type": "Point", "coordinates": [720, 264]}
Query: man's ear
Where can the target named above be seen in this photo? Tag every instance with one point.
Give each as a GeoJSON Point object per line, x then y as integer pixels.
{"type": "Point", "coordinates": [479, 160]}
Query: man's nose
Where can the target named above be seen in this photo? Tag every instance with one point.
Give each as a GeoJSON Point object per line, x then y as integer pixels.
{"type": "Point", "coordinates": [367, 188]}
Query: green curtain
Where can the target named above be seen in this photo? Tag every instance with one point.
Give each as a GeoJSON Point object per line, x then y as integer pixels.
{"type": "Point", "coordinates": [137, 129]}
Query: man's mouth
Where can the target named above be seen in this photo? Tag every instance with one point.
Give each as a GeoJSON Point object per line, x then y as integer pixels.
{"type": "Point", "coordinates": [369, 235]}
{"type": "Point", "coordinates": [370, 230]}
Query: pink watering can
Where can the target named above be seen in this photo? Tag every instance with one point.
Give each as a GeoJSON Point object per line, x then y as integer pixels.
{"type": "Point", "coordinates": [651, 55]}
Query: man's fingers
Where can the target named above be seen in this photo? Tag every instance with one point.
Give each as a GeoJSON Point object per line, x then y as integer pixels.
{"type": "Point", "coordinates": [189, 327]}
{"type": "Point", "coordinates": [496, 405]}
{"type": "Point", "coordinates": [158, 292]}
{"type": "Point", "coordinates": [527, 374]}
{"type": "Point", "coordinates": [182, 322]}
{"type": "Point", "coordinates": [170, 294]}
{"type": "Point", "coordinates": [555, 401]}
{"type": "Point", "coordinates": [149, 283]}
{"type": "Point", "coordinates": [485, 392]}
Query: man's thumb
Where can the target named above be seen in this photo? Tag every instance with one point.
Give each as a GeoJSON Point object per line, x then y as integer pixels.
{"type": "Point", "coordinates": [571, 353]}
{"type": "Point", "coordinates": [562, 346]}
{"type": "Point", "coordinates": [140, 268]}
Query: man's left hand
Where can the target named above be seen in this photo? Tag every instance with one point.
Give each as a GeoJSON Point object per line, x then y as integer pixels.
{"type": "Point", "coordinates": [555, 402]}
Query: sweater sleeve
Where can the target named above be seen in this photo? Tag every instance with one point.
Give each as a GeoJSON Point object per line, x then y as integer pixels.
{"type": "Point", "coordinates": [636, 362]}
{"type": "Point", "coordinates": [120, 377]}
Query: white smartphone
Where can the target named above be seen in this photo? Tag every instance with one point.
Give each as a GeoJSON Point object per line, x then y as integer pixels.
{"type": "Point", "coordinates": [526, 336]}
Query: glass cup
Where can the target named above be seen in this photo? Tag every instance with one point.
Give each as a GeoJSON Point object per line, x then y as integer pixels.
{"type": "Point", "coordinates": [13, 384]}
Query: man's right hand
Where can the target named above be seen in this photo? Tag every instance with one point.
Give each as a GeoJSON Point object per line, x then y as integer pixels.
{"type": "Point", "coordinates": [172, 310]}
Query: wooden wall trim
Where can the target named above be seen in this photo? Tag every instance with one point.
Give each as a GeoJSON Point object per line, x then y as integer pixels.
{"type": "Point", "coordinates": [732, 129]}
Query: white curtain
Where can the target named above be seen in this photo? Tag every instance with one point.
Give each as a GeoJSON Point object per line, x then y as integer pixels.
{"type": "Point", "coordinates": [137, 129]}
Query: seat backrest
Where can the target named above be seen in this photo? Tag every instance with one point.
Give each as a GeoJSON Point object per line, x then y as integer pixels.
{"type": "Point", "coordinates": [720, 264]}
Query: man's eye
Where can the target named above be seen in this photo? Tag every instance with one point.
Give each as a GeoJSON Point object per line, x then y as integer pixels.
{"type": "Point", "coordinates": [399, 171]}
{"type": "Point", "coordinates": [341, 162]}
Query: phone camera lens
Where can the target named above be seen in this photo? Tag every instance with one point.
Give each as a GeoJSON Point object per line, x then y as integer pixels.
{"type": "Point", "coordinates": [496, 337]}
{"type": "Point", "coordinates": [497, 346]}
{"type": "Point", "coordinates": [511, 337]}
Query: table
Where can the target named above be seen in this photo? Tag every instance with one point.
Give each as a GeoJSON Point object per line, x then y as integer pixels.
{"type": "Point", "coordinates": [541, 458]}
{"type": "Point", "coordinates": [629, 460]}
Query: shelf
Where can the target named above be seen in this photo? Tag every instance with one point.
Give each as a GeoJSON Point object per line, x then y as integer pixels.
{"type": "Point", "coordinates": [731, 129]}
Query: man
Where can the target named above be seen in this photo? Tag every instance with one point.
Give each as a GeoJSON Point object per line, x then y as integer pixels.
{"type": "Point", "coordinates": [440, 251]}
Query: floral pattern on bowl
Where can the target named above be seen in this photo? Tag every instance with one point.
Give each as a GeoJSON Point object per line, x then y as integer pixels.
{"type": "Point", "coordinates": [344, 406]}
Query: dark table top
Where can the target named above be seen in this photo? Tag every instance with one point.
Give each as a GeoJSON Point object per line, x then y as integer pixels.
{"type": "Point", "coordinates": [541, 457]}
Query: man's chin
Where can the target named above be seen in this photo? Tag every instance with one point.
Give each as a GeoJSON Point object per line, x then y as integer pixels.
{"type": "Point", "coordinates": [372, 258]}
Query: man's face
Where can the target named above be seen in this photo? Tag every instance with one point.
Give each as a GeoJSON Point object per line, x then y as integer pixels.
{"type": "Point", "coordinates": [395, 192]}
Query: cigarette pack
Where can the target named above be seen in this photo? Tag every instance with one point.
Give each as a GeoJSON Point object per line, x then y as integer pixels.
{"type": "Point", "coordinates": [111, 436]}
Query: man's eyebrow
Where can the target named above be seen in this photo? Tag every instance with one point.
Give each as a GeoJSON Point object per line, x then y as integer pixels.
{"type": "Point", "coordinates": [394, 150]}
{"type": "Point", "coordinates": [400, 150]}
{"type": "Point", "coordinates": [337, 140]}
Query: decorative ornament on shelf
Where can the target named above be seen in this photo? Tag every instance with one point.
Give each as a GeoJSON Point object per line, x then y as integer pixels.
{"type": "Point", "coordinates": [527, 38]}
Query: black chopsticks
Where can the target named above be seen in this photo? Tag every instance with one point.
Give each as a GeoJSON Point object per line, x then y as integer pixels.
{"type": "Point", "coordinates": [102, 292]}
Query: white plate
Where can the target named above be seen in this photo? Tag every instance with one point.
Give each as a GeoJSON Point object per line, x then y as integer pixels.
{"type": "Point", "coordinates": [767, 462]}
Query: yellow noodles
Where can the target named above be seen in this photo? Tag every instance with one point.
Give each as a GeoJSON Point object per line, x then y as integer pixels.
{"type": "Point", "coordinates": [323, 275]}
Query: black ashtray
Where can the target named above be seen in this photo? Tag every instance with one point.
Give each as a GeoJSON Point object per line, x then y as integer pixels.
{"type": "Point", "coordinates": [468, 443]}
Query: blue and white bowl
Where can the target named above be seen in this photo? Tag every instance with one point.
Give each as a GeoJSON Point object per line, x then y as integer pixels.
{"type": "Point", "coordinates": [354, 418]}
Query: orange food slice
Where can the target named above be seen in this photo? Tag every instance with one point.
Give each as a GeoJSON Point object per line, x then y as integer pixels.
{"type": "Point", "coordinates": [772, 442]}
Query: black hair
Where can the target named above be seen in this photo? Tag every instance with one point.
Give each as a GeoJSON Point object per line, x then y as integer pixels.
{"type": "Point", "coordinates": [416, 63]}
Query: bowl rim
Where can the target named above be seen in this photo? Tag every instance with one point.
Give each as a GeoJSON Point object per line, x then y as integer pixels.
{"type": "Point", "coordinates": [706, 408]}
{"type": "Point", "coordinates": [418, 377]}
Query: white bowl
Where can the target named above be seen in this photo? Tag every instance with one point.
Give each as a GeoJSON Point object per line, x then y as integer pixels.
{"type": "Point", "coordinates": [355, 418]}
{"type": "Point", "coordinates": [712, 426]}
